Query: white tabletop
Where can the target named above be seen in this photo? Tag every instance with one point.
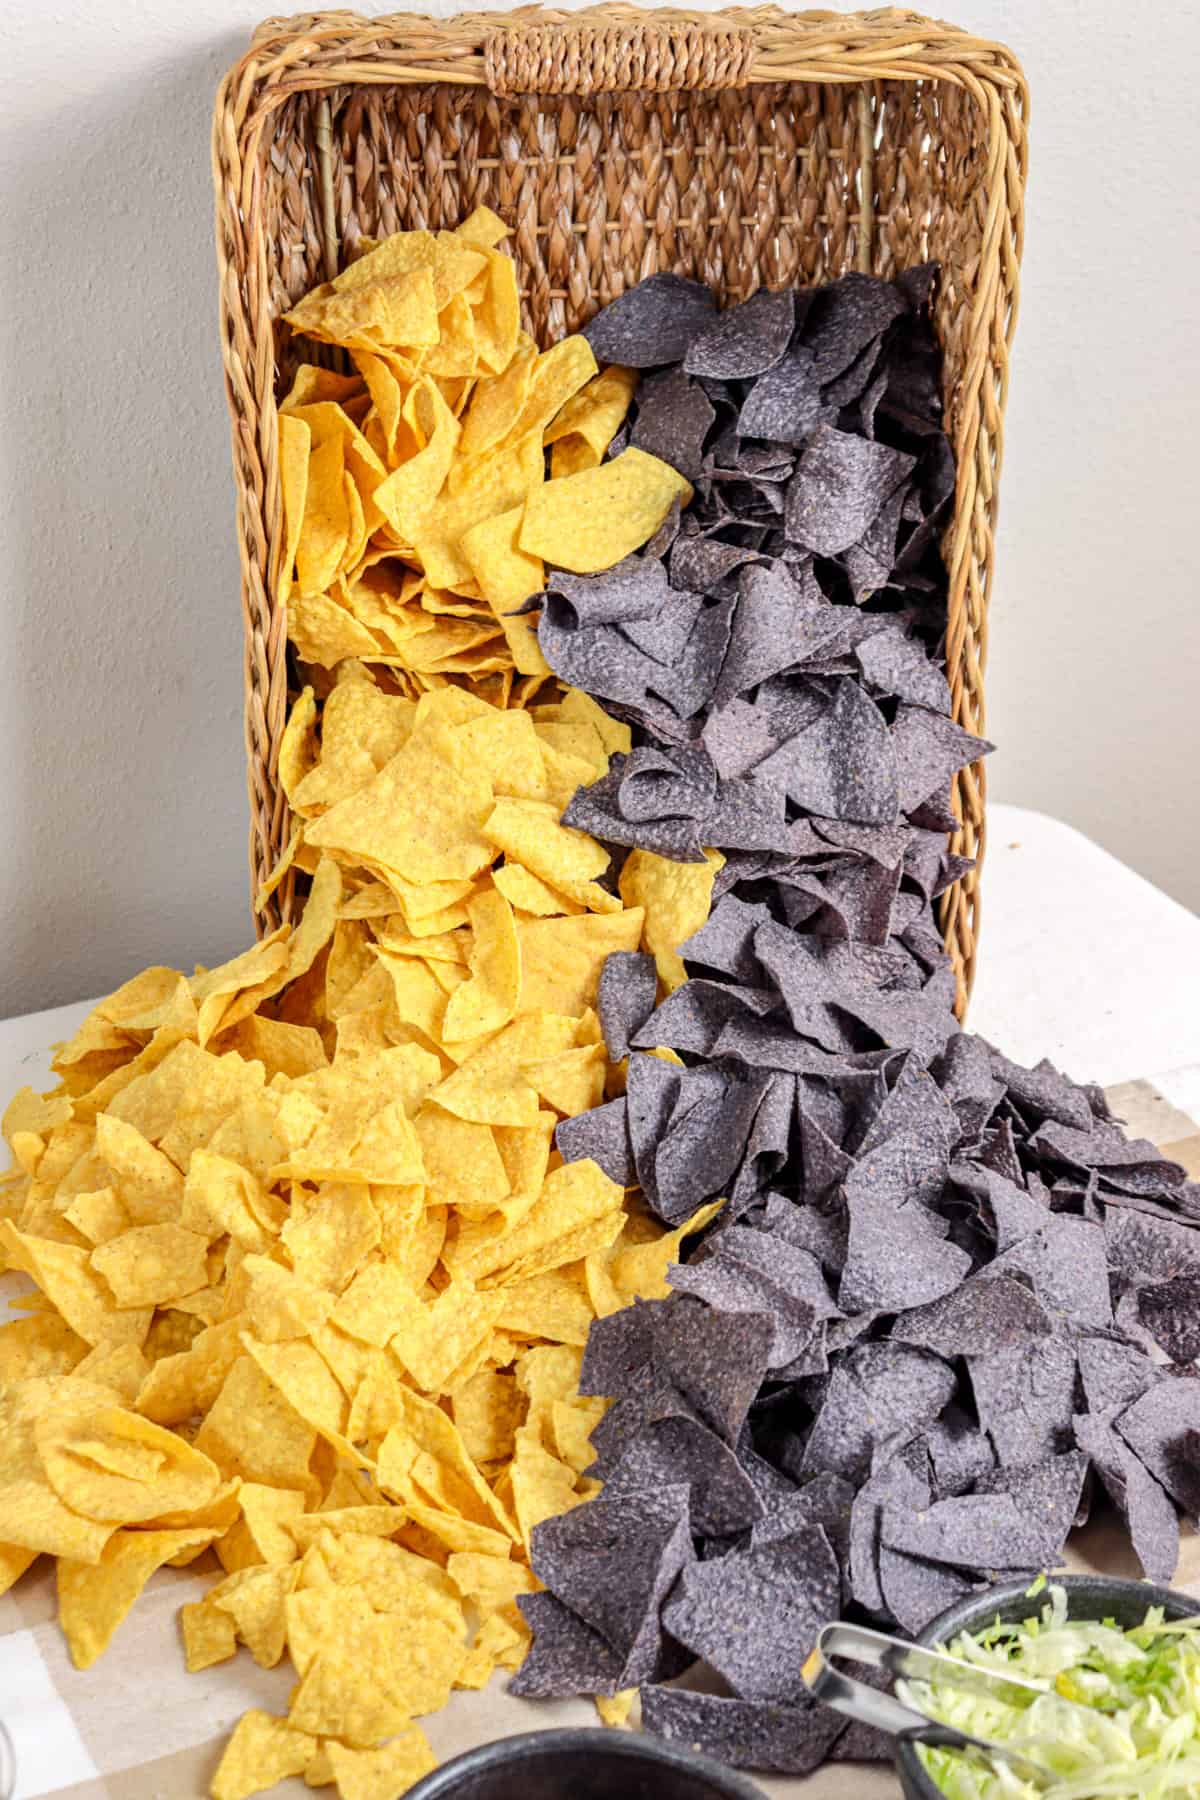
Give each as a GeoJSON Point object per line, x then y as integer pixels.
{"type": "Point", "coordinates": [1083, 961]}
{"type": "Point", "coordinates": [1080, 960]}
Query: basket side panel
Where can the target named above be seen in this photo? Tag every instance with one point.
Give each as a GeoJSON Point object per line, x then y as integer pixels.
{"type": "Point", "coordinates": [736, 188]}
{"type": "Point", "coordinates": [937, 197]}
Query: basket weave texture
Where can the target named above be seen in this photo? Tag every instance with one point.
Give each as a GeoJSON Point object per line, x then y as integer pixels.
{"type": "Point", "coordinates": [747, 148]}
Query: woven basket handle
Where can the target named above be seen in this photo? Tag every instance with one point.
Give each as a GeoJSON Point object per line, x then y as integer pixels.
{"type": "Point", "coordinates": [597, 59]}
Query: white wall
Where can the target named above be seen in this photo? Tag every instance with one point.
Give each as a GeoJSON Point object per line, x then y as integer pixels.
{"type": "Point", "coordinates": [122, 802]}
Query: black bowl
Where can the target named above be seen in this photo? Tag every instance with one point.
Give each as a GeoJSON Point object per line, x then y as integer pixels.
{"type": "Point", "coordinates": [583, 1765]}
{"type": "Point", "coordinates": [1088, 1597]}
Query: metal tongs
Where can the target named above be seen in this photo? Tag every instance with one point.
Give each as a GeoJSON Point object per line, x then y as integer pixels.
{"type": "Point", "coordinates": [912, 1662]}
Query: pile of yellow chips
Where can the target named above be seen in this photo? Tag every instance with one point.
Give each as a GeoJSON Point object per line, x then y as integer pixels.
{"type": "Point", "coordinates": [311, 1282]}
{"type": "Point", "coordinates": [416, 507]}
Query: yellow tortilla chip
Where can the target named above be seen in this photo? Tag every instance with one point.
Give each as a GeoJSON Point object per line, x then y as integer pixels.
{"type": "Point", "coordinates": [152, 1265]}
{"type": "Point", "coordinates": [208, 1634]}
{"type": "Point", "coordinates": [489, 997]}
{"type": "Point", "coordinates": [529, 831]}
{"type": "Point", "coordinates": [676, 898]}
{"type": "Point", "coordinates": [325, 633]}
{"type": "Point", "coordinates": [530, 894]}
{"type": "Point", "coordinates": [615, 1709]}
{"type": "Point", "coordinates": [256, 1600]}
{"type": "Point", "coordinates": [407, 495]}
{"type": "Point", "coordinates": [93, 1598]}
{"type": "Point", "coordinates": [558, 375]}
{"type": "Point", "coordinates": [393, 310]}
{"type": "Point", "coordinates": [495, 405]}
{"type": "Point", "coordinates": [421, 817]}
{"type": "Point", "coordinates": [65, 1275]}
{"type": "Point", "coordinates": [262, 1751]}
{"type": "Point", "coordinates": [482, 227]}
{"type": "Point", "coordinates": [252, 1431]}
{"type": "Point", "coordinates": [590, 520]}
{"type": "Point", "coordinates": [554, 1305]}
{"type": "Point", "coordinates": [312, 385]}
{"type": "Point", "coordinates": [543, 1486]}
{"type": "Point", "coordinates": [295, 444]}
{"type": "Point", "coordinates": [561, 959]}
{"type": "Point", "coordinates": [382, 1774]}
{"type": "Point", "coordinates": [111, 1465]}
{"type": "Point", "coordinates": [573, 1081]}
{"type": "Point", "coordinates": [587, 424]}
{"type": "Point", "coordinates": [498, 314]}
{"type": "Point", "coordinates": [98, 1215]}
{"type": "Point", "coordinates": [432, 1340]}
{"type": "Point", "coordinates": [463, 1164]}
{"type": "Point", "coordinates": [42, 1344]}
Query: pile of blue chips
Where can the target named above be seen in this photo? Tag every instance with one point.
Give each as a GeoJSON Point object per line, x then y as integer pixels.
{"type": "Point", "coordinates": [948, 1304]}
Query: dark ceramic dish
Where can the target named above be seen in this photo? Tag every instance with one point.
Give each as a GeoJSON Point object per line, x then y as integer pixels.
{"type": "Point", "coordinates": [1088, 1597]}
{"type": "Point", "coordinates": [583, 1765]}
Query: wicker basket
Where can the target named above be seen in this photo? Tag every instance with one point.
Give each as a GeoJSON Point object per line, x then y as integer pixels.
{"type": "Point", "coordinates": [743, 147]}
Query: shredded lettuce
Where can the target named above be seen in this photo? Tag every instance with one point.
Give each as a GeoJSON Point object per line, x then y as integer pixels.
{"type": "Point", "coordinates": [1138, 1737]}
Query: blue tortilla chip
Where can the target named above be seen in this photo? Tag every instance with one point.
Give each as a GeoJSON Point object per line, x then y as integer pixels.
{"type": "Point", "coordinates": [627, 993]}
{"type": "Point", "coordinates": [791, 1739]}
{"type": "Point", "coordinates": [746, 340]}
{"type": "Point", "coordinates": [754, 1615]}
{"type": "Point", "coordinates": [652, 323]}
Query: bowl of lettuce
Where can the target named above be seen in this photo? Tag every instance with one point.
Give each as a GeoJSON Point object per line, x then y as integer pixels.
{"type": "Point", "coordinates": [1125, 1653]}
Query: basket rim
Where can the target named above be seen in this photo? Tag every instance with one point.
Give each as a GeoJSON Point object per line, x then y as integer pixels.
{"type": "Point", "coordinates": [299, 52]}
{"type": "Point", "coordinates": [881, 44]}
